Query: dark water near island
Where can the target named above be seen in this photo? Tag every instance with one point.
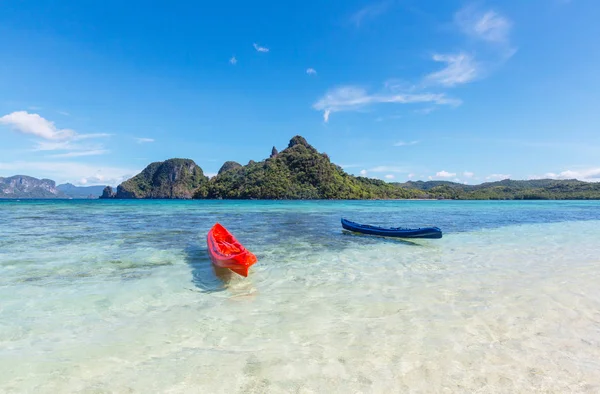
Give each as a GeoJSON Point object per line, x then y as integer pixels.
{"type": "Point", "coordinates": [118, 296]}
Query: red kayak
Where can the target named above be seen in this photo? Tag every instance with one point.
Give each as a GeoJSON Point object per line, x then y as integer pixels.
{"type": "Point", "coordinates": [226, 252]}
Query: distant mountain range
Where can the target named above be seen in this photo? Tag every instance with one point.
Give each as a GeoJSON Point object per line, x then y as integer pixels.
{"type": "Point", "coordinates": [81, 191]}
{"type": "Point", "coordinates": [297, 172]}
{"type": "Point", "coordinates": [23, 186]}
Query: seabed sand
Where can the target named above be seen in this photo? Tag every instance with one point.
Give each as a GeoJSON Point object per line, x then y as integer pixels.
{"type": "Point", "coordinates": [508, 310]}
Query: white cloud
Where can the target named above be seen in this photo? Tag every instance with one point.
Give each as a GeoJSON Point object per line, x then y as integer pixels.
{"type": "Point", "coordinates": [52, 145]}
{"type": "Point", "coordinates": [64, 113]}
{"type": "Point", "coordinates": [410, 176]}
{"type": "Point", "coordinates": [352, 98]}
{"type": "Point", "coordinates": [53, 138]}
{"type": "Point", "coordinates": [233, 60]}
{"type": "Point", "coordinates": [497, 177]}
{"type": "Point", "coordinates": [388, 169]}
{"type": "Point", "coordinates": [425, 111]}
{"type": "Point", "coordinates": [404, 143]}
{"type": "Point", "coordinates": [445, 174]}
{"type": "Point", "coordinates": [311, 71]}
{"type": "Point", "coordinates": [350, 165]}
{"type": "Point", "coordinates": [468, 174]}
{"type": "Point", "coordinates": [460, 68]}
{"type": "Point", "coordinates": [34, 124]}
{"type": "Point", "coordinates": [586, 174]}
{"type": "Point", "coordinates": [76, 173]}
{"type": "Point", "coordinates": [369, 12]}
{"type": "Point", "coordinates": [260, 49]}
{"type": "Point", "coordinates": [78, 137]}
{"type": "Point", "coordinates": [142, 140]}
{"type": "Point", "coordinates": [363, 172]}
{"type": "Point", "coordinates": [487, 26]}
{"type": "Point", "coordinates": [389, 176]}
{"type": "Point", "coordinates": [82, 153]}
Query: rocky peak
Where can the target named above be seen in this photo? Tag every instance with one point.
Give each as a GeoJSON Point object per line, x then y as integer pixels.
{"type": "Point", "coordinates": [298, 140]}
{"type": "Point", "coordinates": [229, 165]}
{"type": "Point", "coordinates": [108, 192]}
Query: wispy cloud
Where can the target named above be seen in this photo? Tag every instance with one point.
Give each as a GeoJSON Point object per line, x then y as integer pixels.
{"type": "Point", "coordinates": [364, 172]}
{"type": "Point", "coordinates": [425, 111]}
{"type": "Point", "coordinates": [468, 174]}
{"type": "Point", "coordinates": [460, 68]}
{"type": "Point", "coordinates": [445, 174]}
{"type": "Point", "coordinates": [233, 60]}
{"type": "Point", "coordinates": [394, 169]}
{"type": "Point", "coordinates": [46, 146]}
{"type": "Point", "coordinates": [82, 153]}
{"type": "Point", "coordinates": [497, 177]}
{"type": "Point", "coordinates": [486, 26]}
{"type": "Point", "coordinates": [142, 140]}
{"type": "Point", "coordinates": [311, 71]}
{"type": "Point", "coordinates": [351, 98]}
{"type": "Point", "coordinates": [405, 143]}
{"type": "Point", "coordinates": [64, 113]}
{"type": "Point", "coordinates": [368, 12]}
{"type": "Point", "coordinates": [69, 171]}
{"type": "Point", "coordinates": [390, 176]}
{"type": "Point", "coordinates": [260, 49]}
{"type": "Point", "coordinates": [584, 174]}
{"type": "Point", "coordinates": [350, 165]}
{"type": "Point", "coordinates": [79, 137]}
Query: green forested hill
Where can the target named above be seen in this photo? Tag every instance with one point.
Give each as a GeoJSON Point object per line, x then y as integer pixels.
{"type": "Point", "coordinates": [173, 178]}
{"type": "Point", "coordinates": [301, 172]}
{"type": "Point", "coordinates": [298, 172]}
{"type": "Point", "coordinates": [535, 189]}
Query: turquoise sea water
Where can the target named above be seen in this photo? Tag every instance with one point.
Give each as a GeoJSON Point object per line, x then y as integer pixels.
{"type": "Point", "coordinates": [120, 296]}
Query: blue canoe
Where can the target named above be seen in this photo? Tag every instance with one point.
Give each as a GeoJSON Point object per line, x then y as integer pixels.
{"type": "Point", "coordinates": [425, 232]}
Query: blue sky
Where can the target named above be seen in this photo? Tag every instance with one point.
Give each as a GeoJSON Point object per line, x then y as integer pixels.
{"type": "Point", "coordinates": [92, 92]}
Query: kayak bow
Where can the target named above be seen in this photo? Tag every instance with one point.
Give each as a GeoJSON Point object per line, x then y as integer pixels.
{"type": "Point", "coordinates": [227, 252]}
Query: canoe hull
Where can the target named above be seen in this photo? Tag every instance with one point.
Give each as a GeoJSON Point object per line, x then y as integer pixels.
{"type": "Point", "coordinates": [226, 251]}
{"type": "Point", "coordinates": [425, 232]}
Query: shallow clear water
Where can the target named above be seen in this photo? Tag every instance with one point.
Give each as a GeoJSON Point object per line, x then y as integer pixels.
{"type": "Point", "coordinates": [119, 296]}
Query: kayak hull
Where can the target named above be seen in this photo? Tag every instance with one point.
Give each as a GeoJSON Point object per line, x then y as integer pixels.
{"type": "Point", "coordinates": [425, 232]}
{"type": "Point", "coordinates": [226, 251]}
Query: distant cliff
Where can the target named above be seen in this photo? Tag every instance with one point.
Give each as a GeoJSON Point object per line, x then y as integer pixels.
{"type": "Point", "coordinates": [80, 191]}
{"type": "Point", "coordinates": [173, 178]}
{"type": "Point", "coordinates": [22, 186]}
